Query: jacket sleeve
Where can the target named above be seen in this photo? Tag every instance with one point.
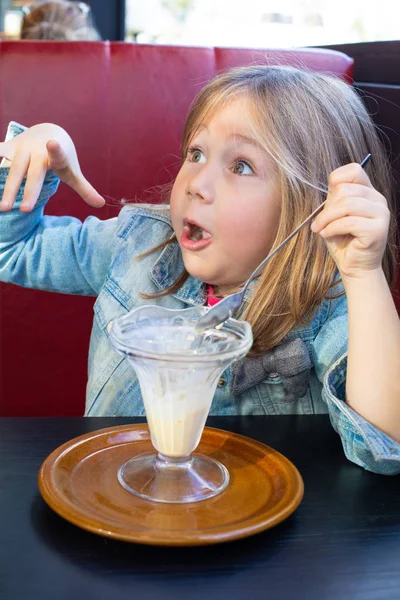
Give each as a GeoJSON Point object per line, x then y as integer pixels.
{"type": "Point", "coordinates": [57, 254]}
{"type": "Point", "coordinates": [363, 443]}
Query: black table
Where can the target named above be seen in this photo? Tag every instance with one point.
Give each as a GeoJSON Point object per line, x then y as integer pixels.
{"type": "Point", "coordinates": [342, 543]}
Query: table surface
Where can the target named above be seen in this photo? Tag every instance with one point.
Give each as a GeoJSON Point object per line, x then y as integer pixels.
{"type": "Point", "coordinates": [343, 542]}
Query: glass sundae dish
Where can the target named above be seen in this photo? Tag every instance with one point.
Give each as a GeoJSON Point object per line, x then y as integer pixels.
{"type": "Point", "coordinates": [178, 371]}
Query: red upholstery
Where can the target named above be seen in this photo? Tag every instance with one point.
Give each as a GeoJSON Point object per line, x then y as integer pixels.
{"type": "Point", "coordinates": [124, 106]}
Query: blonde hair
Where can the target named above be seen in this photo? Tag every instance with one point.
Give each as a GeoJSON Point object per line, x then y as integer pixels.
{"type": "Point", "coordinates": [309, 124]}
{"type": "Point", "coordinates": [58, 20]}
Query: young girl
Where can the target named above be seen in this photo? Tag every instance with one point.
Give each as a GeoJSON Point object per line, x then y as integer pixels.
{"type": "Point", "coordinates": [259, 148]}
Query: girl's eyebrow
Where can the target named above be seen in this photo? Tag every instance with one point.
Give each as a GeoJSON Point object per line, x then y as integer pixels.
{"type": "Point", "coordinates": [245, 140]}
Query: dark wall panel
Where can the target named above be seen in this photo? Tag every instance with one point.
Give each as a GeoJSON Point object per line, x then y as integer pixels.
{"type": "Point", "coordinates": [377, 77]}
{"type": "Point", "coordinates": [109, 16]}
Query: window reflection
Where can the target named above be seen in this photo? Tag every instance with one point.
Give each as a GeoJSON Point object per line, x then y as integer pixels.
{"type": "Point", "coordinates": [261, 23]}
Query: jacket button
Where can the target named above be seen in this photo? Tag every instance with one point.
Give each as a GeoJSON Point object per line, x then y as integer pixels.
{"type": "Point", "coordinates": [222, 382]}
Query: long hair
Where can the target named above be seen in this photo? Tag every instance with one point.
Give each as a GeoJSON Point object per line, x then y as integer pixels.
{"type": "Point", "coordinates": [309, 124]}
{"type": "Point", "coordinates": [58, 20]}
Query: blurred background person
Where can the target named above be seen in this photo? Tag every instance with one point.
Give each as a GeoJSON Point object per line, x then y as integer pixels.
{"type": "Point", "coordinates": [58, 20]}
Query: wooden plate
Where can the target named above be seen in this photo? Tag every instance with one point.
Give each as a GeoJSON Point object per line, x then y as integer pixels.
{"type": "Point", "coordinates": [79, 482]}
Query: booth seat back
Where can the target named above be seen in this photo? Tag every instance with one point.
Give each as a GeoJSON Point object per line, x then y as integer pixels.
{"type": "Point", "coordinates": [124, 106]}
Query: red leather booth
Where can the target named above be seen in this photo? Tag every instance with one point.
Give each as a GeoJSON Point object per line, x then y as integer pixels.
{"type": "Point", "coordinates": [124, 106]}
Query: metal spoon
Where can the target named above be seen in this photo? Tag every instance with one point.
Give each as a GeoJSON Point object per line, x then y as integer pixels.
{"type": "Point", "coordinates": [227, 307]}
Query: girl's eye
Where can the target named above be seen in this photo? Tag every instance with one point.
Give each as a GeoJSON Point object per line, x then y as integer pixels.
{"type": "Point", "coordinates": [242, 168]}
{"type": "Point", "coordinates": [196, 155]}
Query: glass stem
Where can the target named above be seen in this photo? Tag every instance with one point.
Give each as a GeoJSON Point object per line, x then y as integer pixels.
{"type": "Point", "coordinates": [162, 461]}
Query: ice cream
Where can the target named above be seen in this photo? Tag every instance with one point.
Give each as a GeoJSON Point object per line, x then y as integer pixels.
{"type": "Point", "coordinates": [176, 410]}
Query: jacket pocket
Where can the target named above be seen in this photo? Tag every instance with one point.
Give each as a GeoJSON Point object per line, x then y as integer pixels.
{"type": "Point", "coordinates": [119, 394]}
{"type": "Point", "coordinates": [111, 303]}
{"type": "Point", "coordinates": [113, 387]}
{"type": "Point", "coordinates": [278, 401]}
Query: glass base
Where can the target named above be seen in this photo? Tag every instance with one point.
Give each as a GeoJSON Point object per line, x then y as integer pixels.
{"type": "Point", "coordinates": [174, 480]}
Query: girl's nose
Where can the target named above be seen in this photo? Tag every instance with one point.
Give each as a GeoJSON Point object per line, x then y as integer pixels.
{"type": "Point", "coordinates": [200, 187]}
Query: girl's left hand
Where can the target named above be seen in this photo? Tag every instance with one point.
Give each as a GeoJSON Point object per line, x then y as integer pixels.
{"type": "Point", "coordinates": [354, 222]}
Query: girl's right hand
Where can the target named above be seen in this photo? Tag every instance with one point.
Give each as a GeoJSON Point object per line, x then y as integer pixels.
{"type": "Point", "coordinates": [31, 154]}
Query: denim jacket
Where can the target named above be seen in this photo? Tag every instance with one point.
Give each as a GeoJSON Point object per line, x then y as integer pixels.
{"type": "Point", "coordinates": [102, 261]}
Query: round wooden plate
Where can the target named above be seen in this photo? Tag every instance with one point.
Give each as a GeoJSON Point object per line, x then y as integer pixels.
{"type": "Point", "coordinates": [79, 482]}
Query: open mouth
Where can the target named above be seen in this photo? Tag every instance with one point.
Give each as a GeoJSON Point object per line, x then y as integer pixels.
{"type": "Point", "coordinates": [194, 232]}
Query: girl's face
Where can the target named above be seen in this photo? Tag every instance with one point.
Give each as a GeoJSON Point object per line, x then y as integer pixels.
{"type": "Point", "coordinates": [225, 200]}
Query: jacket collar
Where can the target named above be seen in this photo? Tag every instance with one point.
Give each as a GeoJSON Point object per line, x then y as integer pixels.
{"type": "Point", "coordinates": [166, 271]}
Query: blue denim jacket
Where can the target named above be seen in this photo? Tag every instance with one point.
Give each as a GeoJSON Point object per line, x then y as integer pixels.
{"type": "Point", "coordinates": [102, 261]}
